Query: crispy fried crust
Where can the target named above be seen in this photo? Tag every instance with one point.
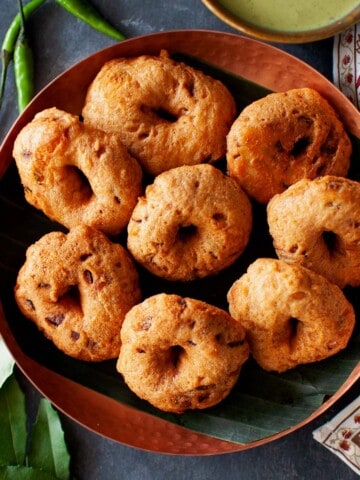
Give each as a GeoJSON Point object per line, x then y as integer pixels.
{"type": "Point", "coordinates": [291, 315]}
{"type": "Point", "coordinates": [316, 224]}
{"type": "Point", "coordinates": [167, 113]}
{"type": "Point", "coordinates": [284, 137]}
{"type": "Point", "coordinates": [77, 289]}
{"type": "Point", "coordinates": [192, 222]}
{"type": "Point", "coordinates": [76, 174]}
{"type": "Point", "coordinates": [180, 353]}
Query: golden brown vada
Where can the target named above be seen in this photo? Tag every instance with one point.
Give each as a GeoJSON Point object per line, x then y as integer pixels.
{"type": "Point", "coordinates": [76, 174]}
{"type": "Point", "coordinates": [291, 315]}
{"type": "Point", "coordinates": [193, 221]}
{"type": "Point", "coordinates": [181, 353]}
{"type": "Point", "coordinates": [167, 113]}
{"type": "Point", "coordinates": [316, 224]}
{"type": "Point", "coordinates": [283, 137]}
{"type": "Point", "coordinates": [77, 288]}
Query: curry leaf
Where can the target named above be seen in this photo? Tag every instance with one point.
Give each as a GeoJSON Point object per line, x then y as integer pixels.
{"type": "Point", "coordinates": [47, 449]}
{"type": "Point", "coordinates": [6, 362]}
{"type": "Point", "coordinates": [12, 423]}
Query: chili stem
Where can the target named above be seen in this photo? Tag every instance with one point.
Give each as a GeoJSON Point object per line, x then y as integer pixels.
{"type": "Point", "coordinates": [86, 12]}
{"type": "Point", "coordinates": [22, 17]}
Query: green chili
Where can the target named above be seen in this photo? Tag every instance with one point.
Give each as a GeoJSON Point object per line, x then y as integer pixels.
{"type": "Point", "coordinates": [9, 42]}
{"type": "Point", "coordinates": [86, 12]}
{"type": "Point", "coordinates": [23, 65]}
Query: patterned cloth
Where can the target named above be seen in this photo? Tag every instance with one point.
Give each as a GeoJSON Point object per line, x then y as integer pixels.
{"type": "Point", "coordinates": [346, 64]}
{"type": "Point", "coordinates": [342, 435]}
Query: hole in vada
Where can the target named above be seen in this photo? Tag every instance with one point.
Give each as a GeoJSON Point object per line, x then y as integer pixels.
{"type": "Point", "coordinates": [186, 232]}
{"type": "Point", "coordinates": [293, 328]}
{"type": "Point", "coordinates": [165, 115]}
{"type": "Point", "coordinates": [300, 146]}
{"type": "Point", "coordinates": [190, 87]}
{"type": "Point", "coordinates": [176, 352]}
{"type": "Point", "coordinates": [80, 184]}
{"type": "Point", "coordinates": [85, 256]}
{"type": "Point", "coordinates": [331, 241]}
{"type": "Point", "coordinates": [143, 135]}
{"type": "Point", "coordinates": [71, 294]}
{"type": "Point", "coordinates": [161, 113]}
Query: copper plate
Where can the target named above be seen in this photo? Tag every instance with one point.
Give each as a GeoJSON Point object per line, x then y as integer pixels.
{"type": "Point", "coordinates": [263, 33]}
{"type": "Point", "coordinates": [251, 59]}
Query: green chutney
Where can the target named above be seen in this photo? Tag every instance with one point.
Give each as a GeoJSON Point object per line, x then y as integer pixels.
{"type": "Point", "coordinates": [289, 15]}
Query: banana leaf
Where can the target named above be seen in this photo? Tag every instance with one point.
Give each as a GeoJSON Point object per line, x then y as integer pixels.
{"type": "Point", "coordinates": [261, 403]}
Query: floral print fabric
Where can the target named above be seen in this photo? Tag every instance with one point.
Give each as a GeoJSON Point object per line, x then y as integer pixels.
{"type": "Point", "coordinates": [346, 65]}
{"type": "Point", "coordinates": [342, 435]}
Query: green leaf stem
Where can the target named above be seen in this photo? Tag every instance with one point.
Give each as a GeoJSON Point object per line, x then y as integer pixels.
{"type": "Point", "coordinates": [48, 458]}
{"type": "Point", "coordinates": [12, 424]}
{"type": "Point", "coordinates": [47, 449]}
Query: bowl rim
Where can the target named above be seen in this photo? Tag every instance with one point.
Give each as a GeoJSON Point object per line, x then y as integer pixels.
{"type": "Point", "coordinates": [269, 35]}
{"type": "Point", "coordinates": [48, 382]}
